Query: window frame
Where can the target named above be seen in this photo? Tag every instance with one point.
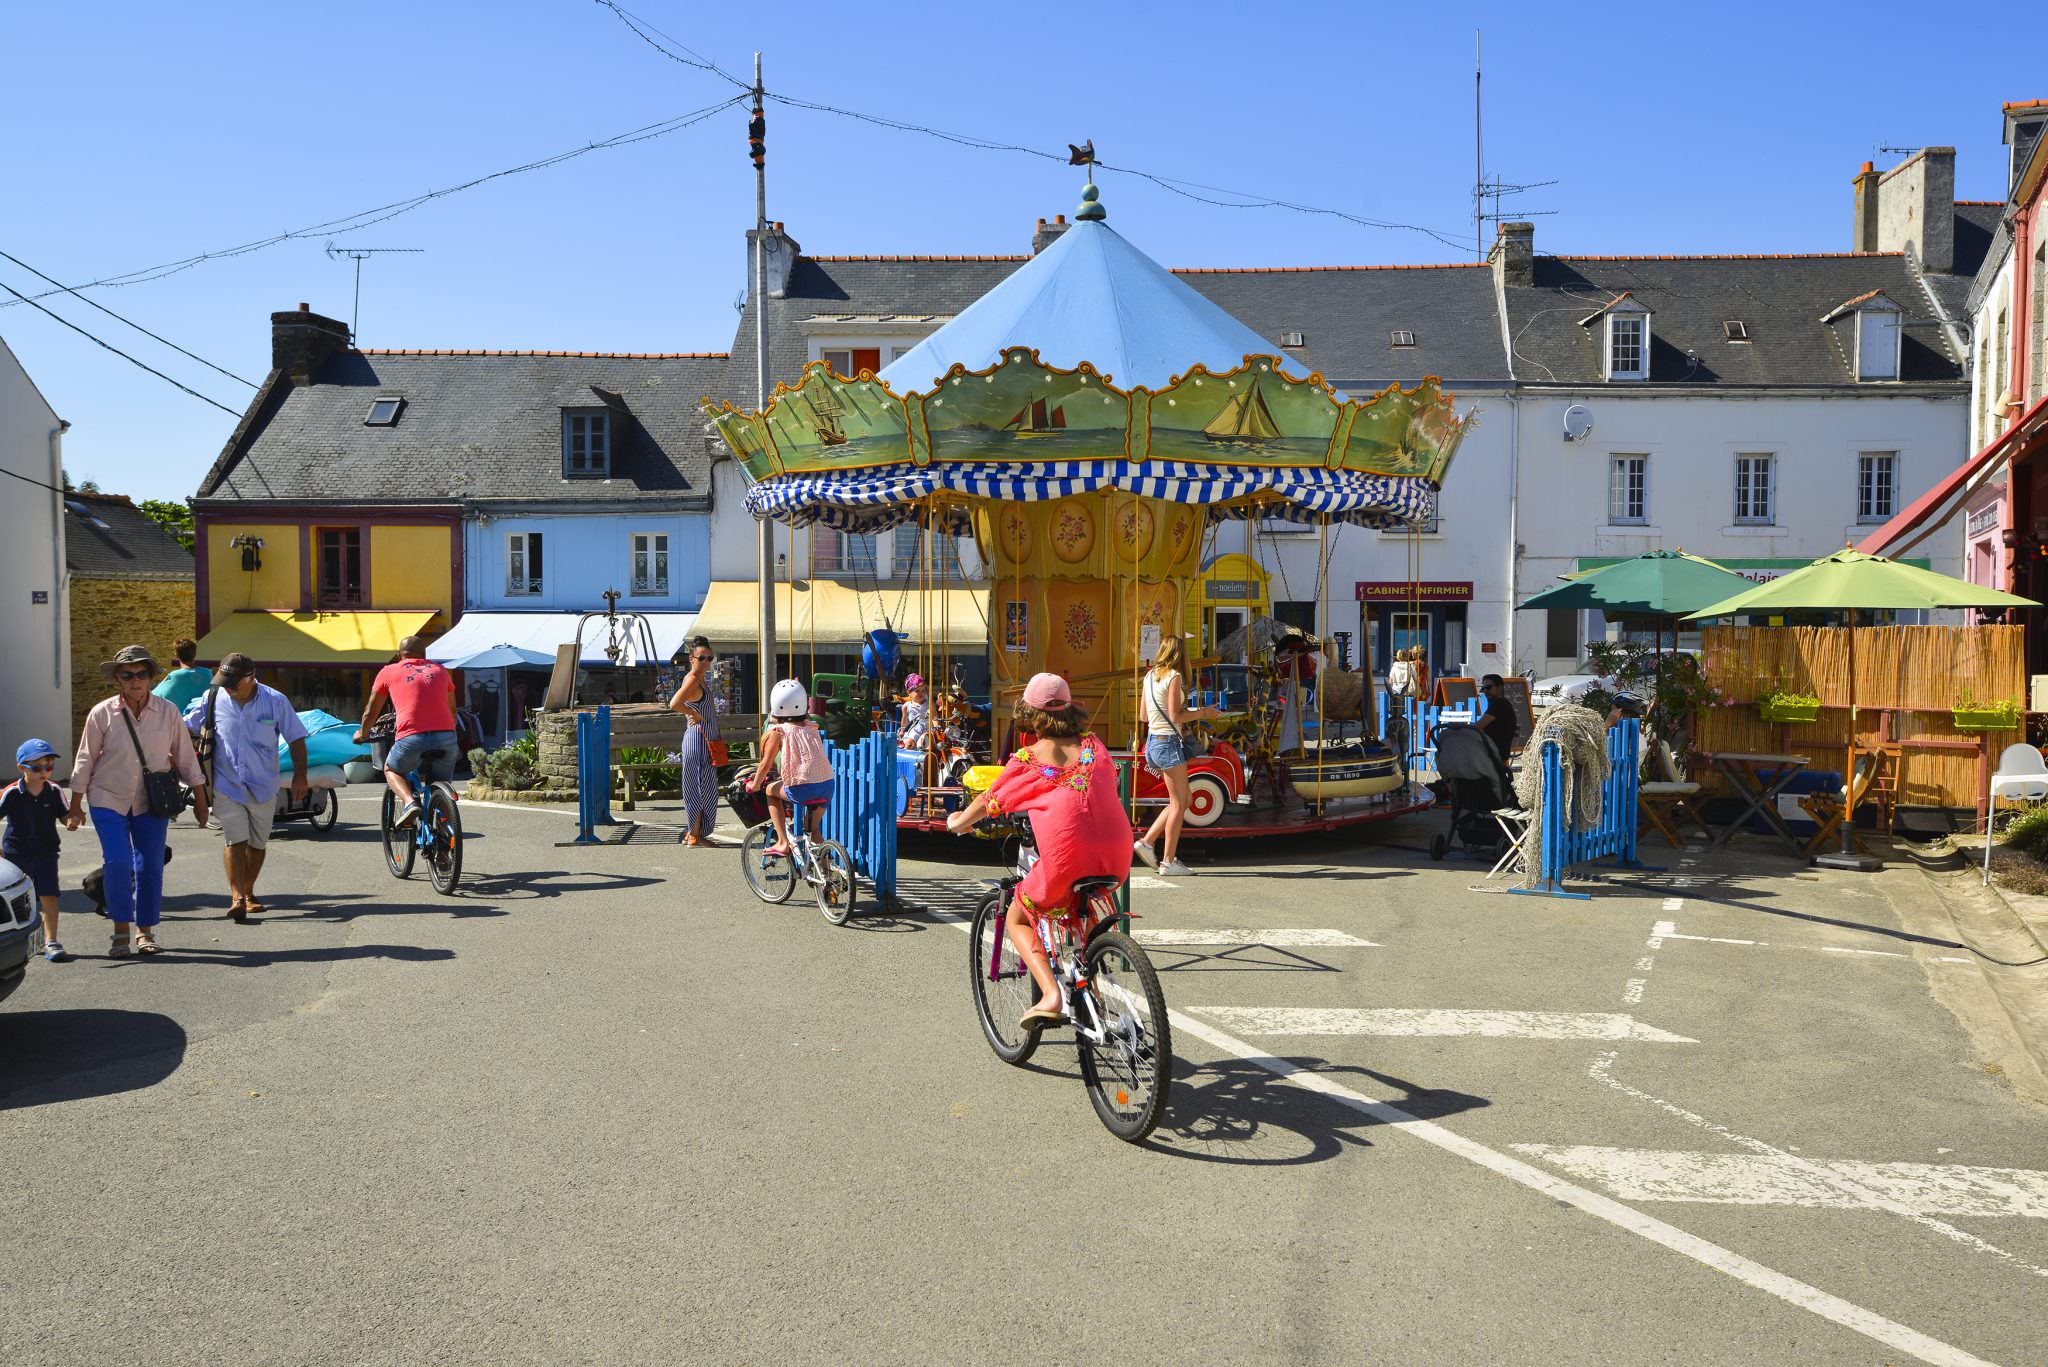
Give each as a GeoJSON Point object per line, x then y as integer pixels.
{"type": "Point", "coordinates": [535, 582]}
{"type": "Point", "coordinates": [1747, 491]}
{"type": "Point", "coordinates": [837, 562]}
{"type": "Point", "coordinates": [397, 402]}
{"type": "Point", "coordinates": [1641, 517]}
{"type": "Point", "coordinates": [949, 566]}
{"type": "Point", "coordinates": [655, 586]}
{"type": "Point", "coordinates": [595, 469]}
{"type": "Point", "coordinates": [1870, 315]}
{"type": "Point", "coordinates": [325, 600]}
{"type": "Point", "coordinates": [1638, 319]}
{"type": "Point", "coordinates": [1867, 513]}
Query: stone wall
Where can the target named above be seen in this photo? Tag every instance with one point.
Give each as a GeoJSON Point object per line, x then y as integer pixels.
{"type": "Point", "coordinates": [107, 614]}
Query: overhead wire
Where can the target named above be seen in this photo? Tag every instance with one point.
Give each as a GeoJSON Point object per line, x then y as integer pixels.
{"type": "Point", "coordinates": [128, 321]}
{"type": "Point", "coordinates": [233, 413]}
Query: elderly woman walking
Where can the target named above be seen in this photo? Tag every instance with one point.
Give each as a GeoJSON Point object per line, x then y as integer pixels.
{"type": "Point", "coordinates": [697, 699]}
{"type": "Point", "coordinates": [126, 739]}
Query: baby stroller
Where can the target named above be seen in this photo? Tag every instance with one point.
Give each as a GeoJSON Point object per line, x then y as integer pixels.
{"type": "Point", "coordinates": [1471, 780]}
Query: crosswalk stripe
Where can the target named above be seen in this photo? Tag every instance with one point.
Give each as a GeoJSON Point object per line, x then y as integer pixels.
{"type": "Point", "coordinates": [1747, 1179]}
{"type": "Point", "coordinates": [1279, 939]}
{"type": "Point", "coordinates": [1560, 1025]}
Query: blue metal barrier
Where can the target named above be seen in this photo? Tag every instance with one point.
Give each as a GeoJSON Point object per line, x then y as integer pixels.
{"type": "Point", "coordinates": [1559, 847]}
{"type": "Point", "coordinates": [593, 775]}
{"type": "Point", "coordinates": [1420, 719]}
{"type": "Point", "coordinates": [862, 813]}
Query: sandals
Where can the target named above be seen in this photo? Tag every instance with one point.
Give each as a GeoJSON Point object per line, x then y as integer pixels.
{"type": "Point", "coordinates": [1039, 1018]}
{"type": "Point", "coordinates": [119, 947]}
{"type": "Point", "coordinates": [145, 943]}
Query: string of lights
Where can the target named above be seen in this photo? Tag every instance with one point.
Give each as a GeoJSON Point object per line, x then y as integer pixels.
{"type": "Point", "coordinates": [118, 352]}
{"type": "Point", "coordinates": [642, 29]}
{"type": "Point", "coordinates": [130, 322]}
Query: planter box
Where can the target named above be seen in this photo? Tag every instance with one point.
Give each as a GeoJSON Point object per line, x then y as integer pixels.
{"type": "Point", "coordinates": [1985, 719]}
{"type": "Point", "coordinates": [1795, 712]}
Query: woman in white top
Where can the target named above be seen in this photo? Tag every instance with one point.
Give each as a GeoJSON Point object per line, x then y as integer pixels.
{"type": "Point", "coordinates": [1163, 700]}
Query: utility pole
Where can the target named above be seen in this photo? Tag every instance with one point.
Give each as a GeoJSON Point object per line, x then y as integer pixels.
{"type": "Point", "coordinates": [757, 147]}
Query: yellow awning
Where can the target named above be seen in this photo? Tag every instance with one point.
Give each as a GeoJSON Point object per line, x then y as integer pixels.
{"type": "Point", "coordinates": [314, 638]}
{"type": "Point", "coordinates": [834, 615]}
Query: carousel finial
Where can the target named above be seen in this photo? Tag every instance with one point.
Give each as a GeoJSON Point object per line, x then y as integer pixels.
{"type": "Point", "coordinates": [1091, 210]}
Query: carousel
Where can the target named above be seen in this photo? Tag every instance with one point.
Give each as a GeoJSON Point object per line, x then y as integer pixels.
{"type": "Point", "coordinates": [1104, 432]}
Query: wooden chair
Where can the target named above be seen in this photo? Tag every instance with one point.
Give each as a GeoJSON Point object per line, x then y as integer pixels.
{"type": "Point", "coordinates": [1829, 810]}
{"type": "Point", "coordinates": [1669, 801]}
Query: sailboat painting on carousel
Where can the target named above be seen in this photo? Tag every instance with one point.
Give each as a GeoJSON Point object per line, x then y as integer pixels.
{"type": "Point", "coordinates": [826, 420]}
{"type": "Point", "coordinates": [1251, 414]}
{"type": "Point", "coordinates": [1036, 419]}
{"type": "Point", "coordinates": [1057, 414]}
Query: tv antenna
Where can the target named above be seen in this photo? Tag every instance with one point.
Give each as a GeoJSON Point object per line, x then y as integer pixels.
{"type": "Point", "coordinates": [1497, 188]}
{"type": "Point", "coordinates": [356, 254]}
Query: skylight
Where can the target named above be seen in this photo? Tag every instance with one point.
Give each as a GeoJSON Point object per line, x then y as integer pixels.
{"type": "Point", "coordinates": [1292, 339]}
{"type": "Point", "coordinates": [1403, 337]}
{"type": "Point", "coordinates": [1737, 330]}
{"type": "Point", "coordinates": [384, 411]}
{"type": "Point", "coordinates": [83, 513]}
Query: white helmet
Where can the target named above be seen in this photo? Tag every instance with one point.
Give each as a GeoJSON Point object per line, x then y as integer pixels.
{"type": "Point", "coordinates": [788, 700]}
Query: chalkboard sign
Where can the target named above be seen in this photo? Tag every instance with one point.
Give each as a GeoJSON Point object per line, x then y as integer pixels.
{"type": "Point", "coordinates": [1457, 692]}
{"type": "Point", "coordinates": [1525, 711]}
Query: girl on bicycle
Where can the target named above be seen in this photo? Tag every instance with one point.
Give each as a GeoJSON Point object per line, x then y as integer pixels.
{"type": "Point", "coordinates": [807, 776]}
{"type": "Point", "coordinates": [1066, 780]}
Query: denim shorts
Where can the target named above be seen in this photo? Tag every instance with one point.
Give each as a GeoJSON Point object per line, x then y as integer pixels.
{"type": "Point", "coordinates": [818, 794]}
{"type": "Point", "coordinates": [407, 751]}
{"type": "Point", "coordinates": [1164, 752]}
{"type": "Point", "coordinates": [40, 868]}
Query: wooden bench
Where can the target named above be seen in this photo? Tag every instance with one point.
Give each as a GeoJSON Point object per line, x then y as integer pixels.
{"type": "Point", "coordinates": [741, 733]}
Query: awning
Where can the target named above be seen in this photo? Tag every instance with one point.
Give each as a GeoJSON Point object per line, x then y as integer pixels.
{"type": "Point", "coordinates": [834, 615]}
{"type": "Point", "coordinates": [547, 632]}
{"type": "Point", "coordinates": [1928, 513]}
{"type": "Point", "coordinates": [314, 639]}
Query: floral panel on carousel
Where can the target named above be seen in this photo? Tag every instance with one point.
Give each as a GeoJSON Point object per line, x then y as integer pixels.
{"type": "Point", "coordinates": [1079, 636]}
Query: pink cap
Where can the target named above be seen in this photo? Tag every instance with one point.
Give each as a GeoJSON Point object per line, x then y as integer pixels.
{"type": "Point", "coordinates": [913, 682]}
{"type": "Point", "coordinates": [1047, 690]}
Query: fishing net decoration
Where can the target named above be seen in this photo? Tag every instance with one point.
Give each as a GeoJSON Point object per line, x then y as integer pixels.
{"type": "Point", "coordinates": [1581, 736]}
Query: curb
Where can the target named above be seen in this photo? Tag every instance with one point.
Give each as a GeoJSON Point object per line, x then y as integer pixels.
{"type": "Point", "coordinates": [2008, 952]}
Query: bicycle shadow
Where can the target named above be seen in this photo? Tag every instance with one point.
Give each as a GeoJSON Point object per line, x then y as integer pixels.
{"type": "Point", "coordinates": [541, 885]}
{"type": "Point", "coordinates": [1235, 1112]}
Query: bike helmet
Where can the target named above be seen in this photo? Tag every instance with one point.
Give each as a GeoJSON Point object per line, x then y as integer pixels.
{"type": "Point", "coordinates": [1629, 703]}
{"type": "Point", "coordinates": [788, 701]}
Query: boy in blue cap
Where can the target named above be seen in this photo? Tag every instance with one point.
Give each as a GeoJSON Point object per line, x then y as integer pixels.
{"type": "Point", "coordinates": [33, 808]}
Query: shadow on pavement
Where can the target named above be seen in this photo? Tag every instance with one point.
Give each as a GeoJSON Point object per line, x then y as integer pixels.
{"type": "Point", "coordinates": [1234, 959]}
{"type": "Point", "coordinates": [72, 1055]}
{"type": "Point", "coordinates": [265, 958]}
{"type": "Point", "coordinates": [1231, 1111]}
{"type": "Point", "coordinates": [533, 886]}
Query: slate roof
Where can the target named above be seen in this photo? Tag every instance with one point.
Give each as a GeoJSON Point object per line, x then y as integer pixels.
{"type": "Point", "coordinates": [131, 545]}
{"type": "Point", "coordinates": [1782, 299]}
{"type": "Point", "coordinates": [477, 426]}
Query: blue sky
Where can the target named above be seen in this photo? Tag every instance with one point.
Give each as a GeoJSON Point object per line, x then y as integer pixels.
{"type": "Point", "coordinates": [138, 134]}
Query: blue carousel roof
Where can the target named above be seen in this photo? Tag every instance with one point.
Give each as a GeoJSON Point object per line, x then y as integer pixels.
{"type": "Point", "coordinates": [1090, 296]}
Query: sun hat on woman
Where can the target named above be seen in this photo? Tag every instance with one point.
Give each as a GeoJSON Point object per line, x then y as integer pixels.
{"type": "Point", "coordinates": [127, 657]}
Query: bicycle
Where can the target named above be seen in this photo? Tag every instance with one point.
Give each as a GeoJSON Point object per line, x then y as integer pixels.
{"type": "Point", "coordinates": [436, 831]}
{"type": "Point", "coordinates": [824, 864]}
{"type": "Point", "coordinates": [1109, 992]}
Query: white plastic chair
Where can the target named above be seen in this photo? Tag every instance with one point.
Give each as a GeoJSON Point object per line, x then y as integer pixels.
{"type": "Point", "coordinates": [2021, 774]}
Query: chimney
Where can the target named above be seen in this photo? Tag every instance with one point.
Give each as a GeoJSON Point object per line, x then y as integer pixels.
{"type": "Point", "coordinates": [302, 340]}
{"type": "Point", "coordinates": [1916, 208]}
{"type": "Point", "coordinates": [1514, 255]}
{"type": "Point", "coordinates": [1048, 233]}
{"type": "Point", "coordinates": [1863, 236]}
{"type": "Point", "coordinates": [782, 254]}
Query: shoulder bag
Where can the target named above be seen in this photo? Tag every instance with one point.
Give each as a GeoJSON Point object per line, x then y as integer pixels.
{"type": "Point", "coordinates": [160, 787]}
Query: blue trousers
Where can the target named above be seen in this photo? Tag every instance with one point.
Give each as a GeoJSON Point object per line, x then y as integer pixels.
{"type": "Point", "coordinates": [132, 856]}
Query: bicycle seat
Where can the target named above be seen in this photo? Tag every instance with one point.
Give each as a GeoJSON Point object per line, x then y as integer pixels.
{"type": "Point", "coordinates": [1087, 887]}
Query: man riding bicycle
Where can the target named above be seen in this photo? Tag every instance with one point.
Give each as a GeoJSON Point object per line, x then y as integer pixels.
{"type": "Point", "coordinates": [422, 694]}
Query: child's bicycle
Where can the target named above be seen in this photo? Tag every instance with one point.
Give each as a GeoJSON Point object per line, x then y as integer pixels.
{"type": "Point", "coordinates": [824, 864]}
{"type": "Point", "coordinates": [1109, 992]}
{"type": "Point", "coordinates": [436, 832]}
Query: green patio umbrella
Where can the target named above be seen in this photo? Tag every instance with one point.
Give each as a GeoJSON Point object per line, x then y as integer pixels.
{"type": "Point", "coordinates": [1658, 584]}
{"type": "Point", "coordinates": [1850, 581]}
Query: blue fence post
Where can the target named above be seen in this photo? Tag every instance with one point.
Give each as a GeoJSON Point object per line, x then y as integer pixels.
{"type": "Point", "coordinates": [1627, 769]}
{"type": "Point", "coordinates": [585, 726]}
{"type": "Point", "coordinates": [862, 813]}
{"type": "Point", "coordinates": [601, 763]}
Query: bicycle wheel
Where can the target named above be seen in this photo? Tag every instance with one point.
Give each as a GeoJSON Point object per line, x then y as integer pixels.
{"type": "Point", "coordinates": [444, 848]}
{"type": "Point", "coordinates": [772, 879]}
{"type": "Point", "coordinates": [399, 850]}
{"type": "Point", "coordinates": [838, 886]}
{"type": "Point", "coordinates": [1128, 1074]}
{"type": "Point", "coordinates": [1000, 1000]}
{"type": "Point", "coordinates": [327, 811]}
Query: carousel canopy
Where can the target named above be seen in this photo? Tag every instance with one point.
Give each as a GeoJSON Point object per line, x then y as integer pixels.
{"type": "Point", "coordinates": [1092, 368]}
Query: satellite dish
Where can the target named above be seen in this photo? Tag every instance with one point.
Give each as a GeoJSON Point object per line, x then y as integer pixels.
{"type": "Point", "coordinates": [1578, 422]}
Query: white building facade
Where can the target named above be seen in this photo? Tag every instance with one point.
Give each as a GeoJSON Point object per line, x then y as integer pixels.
{"type": "Point", "coordinates": [35, 670]}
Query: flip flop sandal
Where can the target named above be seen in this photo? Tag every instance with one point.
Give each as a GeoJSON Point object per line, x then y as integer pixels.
{"type": "Point", "coordinates": [254, 907]}
{"type": "Point", "coordinates": [145, 943]}
{"type": "Point", "coordinates": [1039, 1020]}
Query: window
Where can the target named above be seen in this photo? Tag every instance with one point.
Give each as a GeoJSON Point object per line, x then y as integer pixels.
{"type": "Point", "coordinates": [1754, 481]}
{"type": "Point", "coordinates": [384, 411]}
{"type": "Point", "coordinates": [2037, 327]}
{"type": "Point", "coordinates": [522, 564]}
{"type": "Point", "coordinates": [851, 361]}
{"type": "Point", "coordinates": [1737, 330]}
{"type": "Point", "coordinates": [587, 445]}
{"type": "Point", "coordinates": [1628, 489]}
{"type": "Point", "coordinates": [1403, 337]}
{"type": "Point", "coordinates": [1877, 343]}
{"type": "Point", "coordinates": [1561, 634]}
{"type": "Point", "coordinates": [837, 552]}
{"type": "Point", "coordinates": [2004, 344]}
{"type": "Point", "coordinates": [1877, 486]}
{"type": "Point", "coordinates": [912, 551]}
{"type": "Point", "coordinates": [1628, 346]}
{"type": "Point", "coordinates": [650, 562]}
{"type": "Point", "coordinates": [1293, 339]}
{"type": "Point", "coordinates": [341, 567]}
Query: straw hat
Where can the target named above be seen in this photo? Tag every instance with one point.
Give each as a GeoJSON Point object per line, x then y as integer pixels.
{"type": "Point", "coordinates": [130, 655]}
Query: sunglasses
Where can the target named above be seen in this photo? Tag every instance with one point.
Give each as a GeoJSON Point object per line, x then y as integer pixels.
{"type": "Point", "coordinates": [41, 766]}
{"type": "Point", "coordinates": [703, 659]}
{"type": "Point", "coordinates": [124, 675]}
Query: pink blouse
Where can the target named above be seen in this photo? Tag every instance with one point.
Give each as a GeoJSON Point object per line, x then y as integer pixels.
{"type": "Point", "coordinates": [107, 770]}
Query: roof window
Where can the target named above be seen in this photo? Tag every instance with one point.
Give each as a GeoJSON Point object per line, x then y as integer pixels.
{"type": "Point", "coordinates": [83, 513]}
{"type": "Point", "coordinates": [384, 410]}
{"type": "Point", "coordinates": [1293, 339]}
{"type": "Point", "coordinates": [1403, 337]}
{"type": "Point", "coordinates": [1737, 330]}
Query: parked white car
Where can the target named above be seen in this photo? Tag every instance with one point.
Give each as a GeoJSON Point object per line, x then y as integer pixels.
{"type": "Point", "coordinates": [1561, 688]}
{"type": "Point", "coordinates": [21, 927]}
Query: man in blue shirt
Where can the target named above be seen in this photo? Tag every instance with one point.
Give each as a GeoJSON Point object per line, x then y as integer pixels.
{"type": "Point", "coordinates": [187, 681]}
{"type": "Point", "coordinates": [248, 721]}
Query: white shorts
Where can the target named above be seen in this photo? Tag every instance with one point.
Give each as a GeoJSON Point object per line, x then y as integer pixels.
{"type": "Point", "coordinates": [246, 823]}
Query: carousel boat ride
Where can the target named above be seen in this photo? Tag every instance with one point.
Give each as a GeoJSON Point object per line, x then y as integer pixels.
{"type": "Point", "coordinates": [1094, 423]}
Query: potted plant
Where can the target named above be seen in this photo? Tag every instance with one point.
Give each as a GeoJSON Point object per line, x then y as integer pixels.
{"type": "Point", "coordinates": [1971, 715]}
{"type": "Point", "coordinates": [1778, 703]}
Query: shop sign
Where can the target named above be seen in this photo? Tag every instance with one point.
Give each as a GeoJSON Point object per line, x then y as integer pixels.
{"type": "Point", "coordinates": [1401, 591]}
{"type": "Point", "coordinates": [1229, 590]}
{"type": "Point", "coordinates": [1985, 520]}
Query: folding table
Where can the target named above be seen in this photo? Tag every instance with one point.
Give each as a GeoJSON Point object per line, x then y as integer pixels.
{"type": "Point", "coordinates": [1745, 775]}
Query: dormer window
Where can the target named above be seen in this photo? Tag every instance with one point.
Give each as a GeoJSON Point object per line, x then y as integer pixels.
{"type": "Point", "coordinates": [1877, 340]}
{"type": "Point", "coordinates": [1625, 338]}
{"type": "Point", "coordinates": [586, 444]}
{"type": "Point", "coordinates": [384, 410]}
{"type": "Point", "coordinates": [1402, 337]}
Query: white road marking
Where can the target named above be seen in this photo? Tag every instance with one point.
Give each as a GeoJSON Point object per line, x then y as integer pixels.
{"type": "Point", "coordinates": [1416, 1022]}
{"type": "Point", "coordinates": [1278, 939]}
{"type": "Point", "coordinates": [1668, 930]}
{"type": "Point", "coordinates": [1646, 963]}
{"type": "Point", "coordinates": [1633, 993]}
{"type": "Point", "coordinates": [1748, 1271]}
{"type": "Point", "coordinates": [1141, 880]}
{"type": "Point", "coordinates": [1750, 1179]}
{"type": "Point", "coordinates": [1673, 904]}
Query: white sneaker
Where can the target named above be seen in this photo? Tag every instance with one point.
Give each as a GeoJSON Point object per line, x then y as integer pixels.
{"type": "Point", "coordinates": [1173, 868]}
{"type": "Point", "coordinates": [1146, 853]}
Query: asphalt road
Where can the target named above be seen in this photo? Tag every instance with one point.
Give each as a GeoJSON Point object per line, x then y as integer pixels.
{"type": "Point", "coordinates": [604, 1107]}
